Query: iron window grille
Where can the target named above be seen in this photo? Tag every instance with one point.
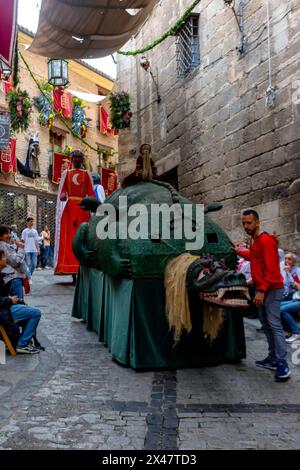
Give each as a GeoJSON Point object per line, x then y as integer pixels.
{"type": "Point", "coordinates": [188, 46]}
{"type": "Point", "coordinates": [45, 214]}
{"type": "Point", "coordinates": [13, 208]}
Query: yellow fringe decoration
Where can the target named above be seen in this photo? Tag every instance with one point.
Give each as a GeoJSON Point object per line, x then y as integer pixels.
{"type": "Point", "coordinates": [212, 320]}
{"type": "Point", "coordinates": [177, 300]}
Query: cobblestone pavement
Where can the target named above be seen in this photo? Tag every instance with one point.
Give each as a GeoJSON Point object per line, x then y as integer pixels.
{"type": "Point", "coordinates": [73, 396]}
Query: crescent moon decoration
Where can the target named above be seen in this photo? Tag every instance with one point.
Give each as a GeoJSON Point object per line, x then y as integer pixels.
{"type": "Point", "coordinates": [74, 179]}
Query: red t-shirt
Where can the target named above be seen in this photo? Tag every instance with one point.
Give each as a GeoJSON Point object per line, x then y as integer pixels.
{"type": "Point", "coordinates": [265, 263]}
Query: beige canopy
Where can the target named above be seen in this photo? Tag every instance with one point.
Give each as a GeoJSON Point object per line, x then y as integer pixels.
{"type": "Point", "coordinates": [87, 29]}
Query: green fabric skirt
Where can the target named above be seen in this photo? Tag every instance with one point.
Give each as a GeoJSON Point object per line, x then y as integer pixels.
{"type": "Point", "coordinates": [129, 317]}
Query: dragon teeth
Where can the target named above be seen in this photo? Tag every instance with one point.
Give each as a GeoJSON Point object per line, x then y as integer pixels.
{"type": "Point", "coordinates": [221, 293]}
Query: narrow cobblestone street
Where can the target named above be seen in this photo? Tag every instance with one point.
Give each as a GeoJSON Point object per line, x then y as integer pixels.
{"type": "Point", "coordinates": [73, 396]}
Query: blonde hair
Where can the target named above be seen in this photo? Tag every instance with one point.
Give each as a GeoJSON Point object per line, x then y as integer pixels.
{"type": "Point", "coordinates": [147, 173]}
{"type": "Point", "coordinates": [177, 301]}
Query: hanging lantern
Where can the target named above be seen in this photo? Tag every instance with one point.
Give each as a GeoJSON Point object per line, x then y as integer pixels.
{"type": "Point", "coordinates": [58, 72]}
{"type": "Point", "coordinates": [5, 70]}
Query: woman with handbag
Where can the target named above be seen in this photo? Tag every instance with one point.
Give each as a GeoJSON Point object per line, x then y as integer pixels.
{"type": "Point", "coordinates": [290, 305]}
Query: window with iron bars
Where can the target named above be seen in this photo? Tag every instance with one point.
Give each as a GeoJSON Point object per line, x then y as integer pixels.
{"type": "Point", "coordinates": [45, 214]}
{"type": "Point", "coordinates": [13, 208]}
{"type": "Point", "coordinates": [188, 46]}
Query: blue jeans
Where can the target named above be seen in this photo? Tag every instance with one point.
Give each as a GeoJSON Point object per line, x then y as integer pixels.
{"type": "Point", "coordinates": [287, 309]}
{"type": "Point", "coordinates": [31, 260]}
{"type": "Point", "coordinates": [269, 315]}
{"type": "Point", "coordinates": [27, 270]}
{"type": "Point", "coordinates": [48, 254]}
{"type": "Point", "coordinates": [32, 315]}
{"type": "Point", "coordinates": [17, 288]}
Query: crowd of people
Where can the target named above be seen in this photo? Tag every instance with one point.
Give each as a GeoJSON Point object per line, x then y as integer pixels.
{"type": "Point", "coordinates": [19, 257]}
{"type": "Point", "coordinates": [273, 278]}
{"type": "Point", "coordinates": [290, 302]}
{"type": "Point", "coordinates": [274, 285]}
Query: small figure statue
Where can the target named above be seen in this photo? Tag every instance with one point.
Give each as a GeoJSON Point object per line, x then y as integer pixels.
{"type": "Point", "coordinates": [145, 169]}
{"type": "Point", "coordinates": [31, 169]}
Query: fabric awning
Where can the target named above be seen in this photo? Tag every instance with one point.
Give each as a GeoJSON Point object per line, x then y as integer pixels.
{"type": "Point", "coordinates": [88, 97]}
{"type": "Point", "coordinates": [8, 29]}
{"type": "Point", "coordinates": [87, 29]}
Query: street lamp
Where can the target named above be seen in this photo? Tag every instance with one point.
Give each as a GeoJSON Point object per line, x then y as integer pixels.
{"type": "Point", "coordinates": [145, 64]}
{"type": "Point", "coordinates": [58, 72]}
{"type": "Point", "coordinates": [5, 70]}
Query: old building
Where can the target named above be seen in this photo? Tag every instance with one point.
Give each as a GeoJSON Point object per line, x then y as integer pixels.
{"type": "Point", "coordinates": [204, 108]}
{"type": "Point", "coordinates": [21, 196]}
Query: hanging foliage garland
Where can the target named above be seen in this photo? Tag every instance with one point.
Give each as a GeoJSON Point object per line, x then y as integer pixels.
{"type": "Point", "coordinates": [44, 103]}
{"type": "Point", "coordinates": [171, 32]}
{"type": "Point", "coordinates": [120, 110]}
{"type": "Point", "coordinates": [20, 109]}
{"type": "Point", "coordinates": [16, 71]}
{"type": "Point", "coordinates": [67, 150]}
{"type": "Point", "coordinates": [79, 119]}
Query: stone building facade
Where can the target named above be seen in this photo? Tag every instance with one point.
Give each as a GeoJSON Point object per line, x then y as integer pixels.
{"type": "Point", "coordinates": [212, 130]}
{"type": "Point", "coordinates": [21, 196]}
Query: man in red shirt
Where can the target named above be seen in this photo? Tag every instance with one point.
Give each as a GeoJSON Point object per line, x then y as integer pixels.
{"type": "Point", "coordinates": [265, 269]}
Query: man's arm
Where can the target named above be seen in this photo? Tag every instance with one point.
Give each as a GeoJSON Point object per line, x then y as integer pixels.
{"type": "Point", "coordinates": [242, 252]}
{"type": "Point", "coordinates": [14, 258]}
{"type": "Point", "coordinates": [37, 238]}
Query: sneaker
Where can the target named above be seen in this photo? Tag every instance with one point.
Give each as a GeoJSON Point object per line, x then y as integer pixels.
{"type": "Point", "coordinates": [293, 338]}
{"type": "Point", "coordinates": [38, 346]}
{"type": "Point", "coordinates": [282, 372]}
{"type": "Point", "coordinates": [38, 269]}
{"type": "Point", "coordinates": [47, 267]}
{"type": "Point", "coordinates": [30, 282]}
{"type": "Point", "coordinates": [266, 364]}
{"type": "Point", "coordinates": [27, 350]}
{"type": "Point", "coordinates": [260, 330]}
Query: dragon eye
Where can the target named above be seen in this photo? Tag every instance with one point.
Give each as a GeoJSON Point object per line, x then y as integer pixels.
{"type": "Point", "coordinates": [203, 273]}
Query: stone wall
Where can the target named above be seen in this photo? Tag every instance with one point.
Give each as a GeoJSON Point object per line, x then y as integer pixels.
{"type": "Point", "coordinates": [214, 124]}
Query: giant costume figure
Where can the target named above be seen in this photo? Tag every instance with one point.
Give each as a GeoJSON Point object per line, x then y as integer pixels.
{"type": "Point", "coordinates": [154, 303]}
{"type": "Point", "coordinates": [75, 184]}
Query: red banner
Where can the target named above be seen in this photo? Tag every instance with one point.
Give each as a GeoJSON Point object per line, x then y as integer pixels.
{"type": "Point", "coordinates": [105, 124]}
{"type": "Point", "coordinates": [60, 163]}
{"type": "Point", "coordinates": [8, 161]}
{"type": "Point", "coordinates": [63, 102]}
{"type": "Point", "coordinates": [8, 30]}
{"type": "Point", "coordinates": [109, 181]}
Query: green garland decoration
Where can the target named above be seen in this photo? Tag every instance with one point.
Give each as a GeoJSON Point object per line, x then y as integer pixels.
{"type": "Point", "coordinates": [62, 119]}
{"type": "Point", "coordinates": [80, 121]}
{"type": "Point", "coordinates": [16, 74]}
{"type": "Point", "coordinates": [45, 105]}
{"type": "Point", "coordinates": [120, 110]}
{"type": "Point", "coordinates": [171, 32]}
{"type": "Point", "coordinates": [20, 108]}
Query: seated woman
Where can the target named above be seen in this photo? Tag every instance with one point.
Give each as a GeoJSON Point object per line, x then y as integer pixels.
{"type": "Point", "coordinates": [19, 312]}
{"type": "Point", "coordinates": [290, 305]}
{"type": "Point", "coordinates": [145, 169]}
